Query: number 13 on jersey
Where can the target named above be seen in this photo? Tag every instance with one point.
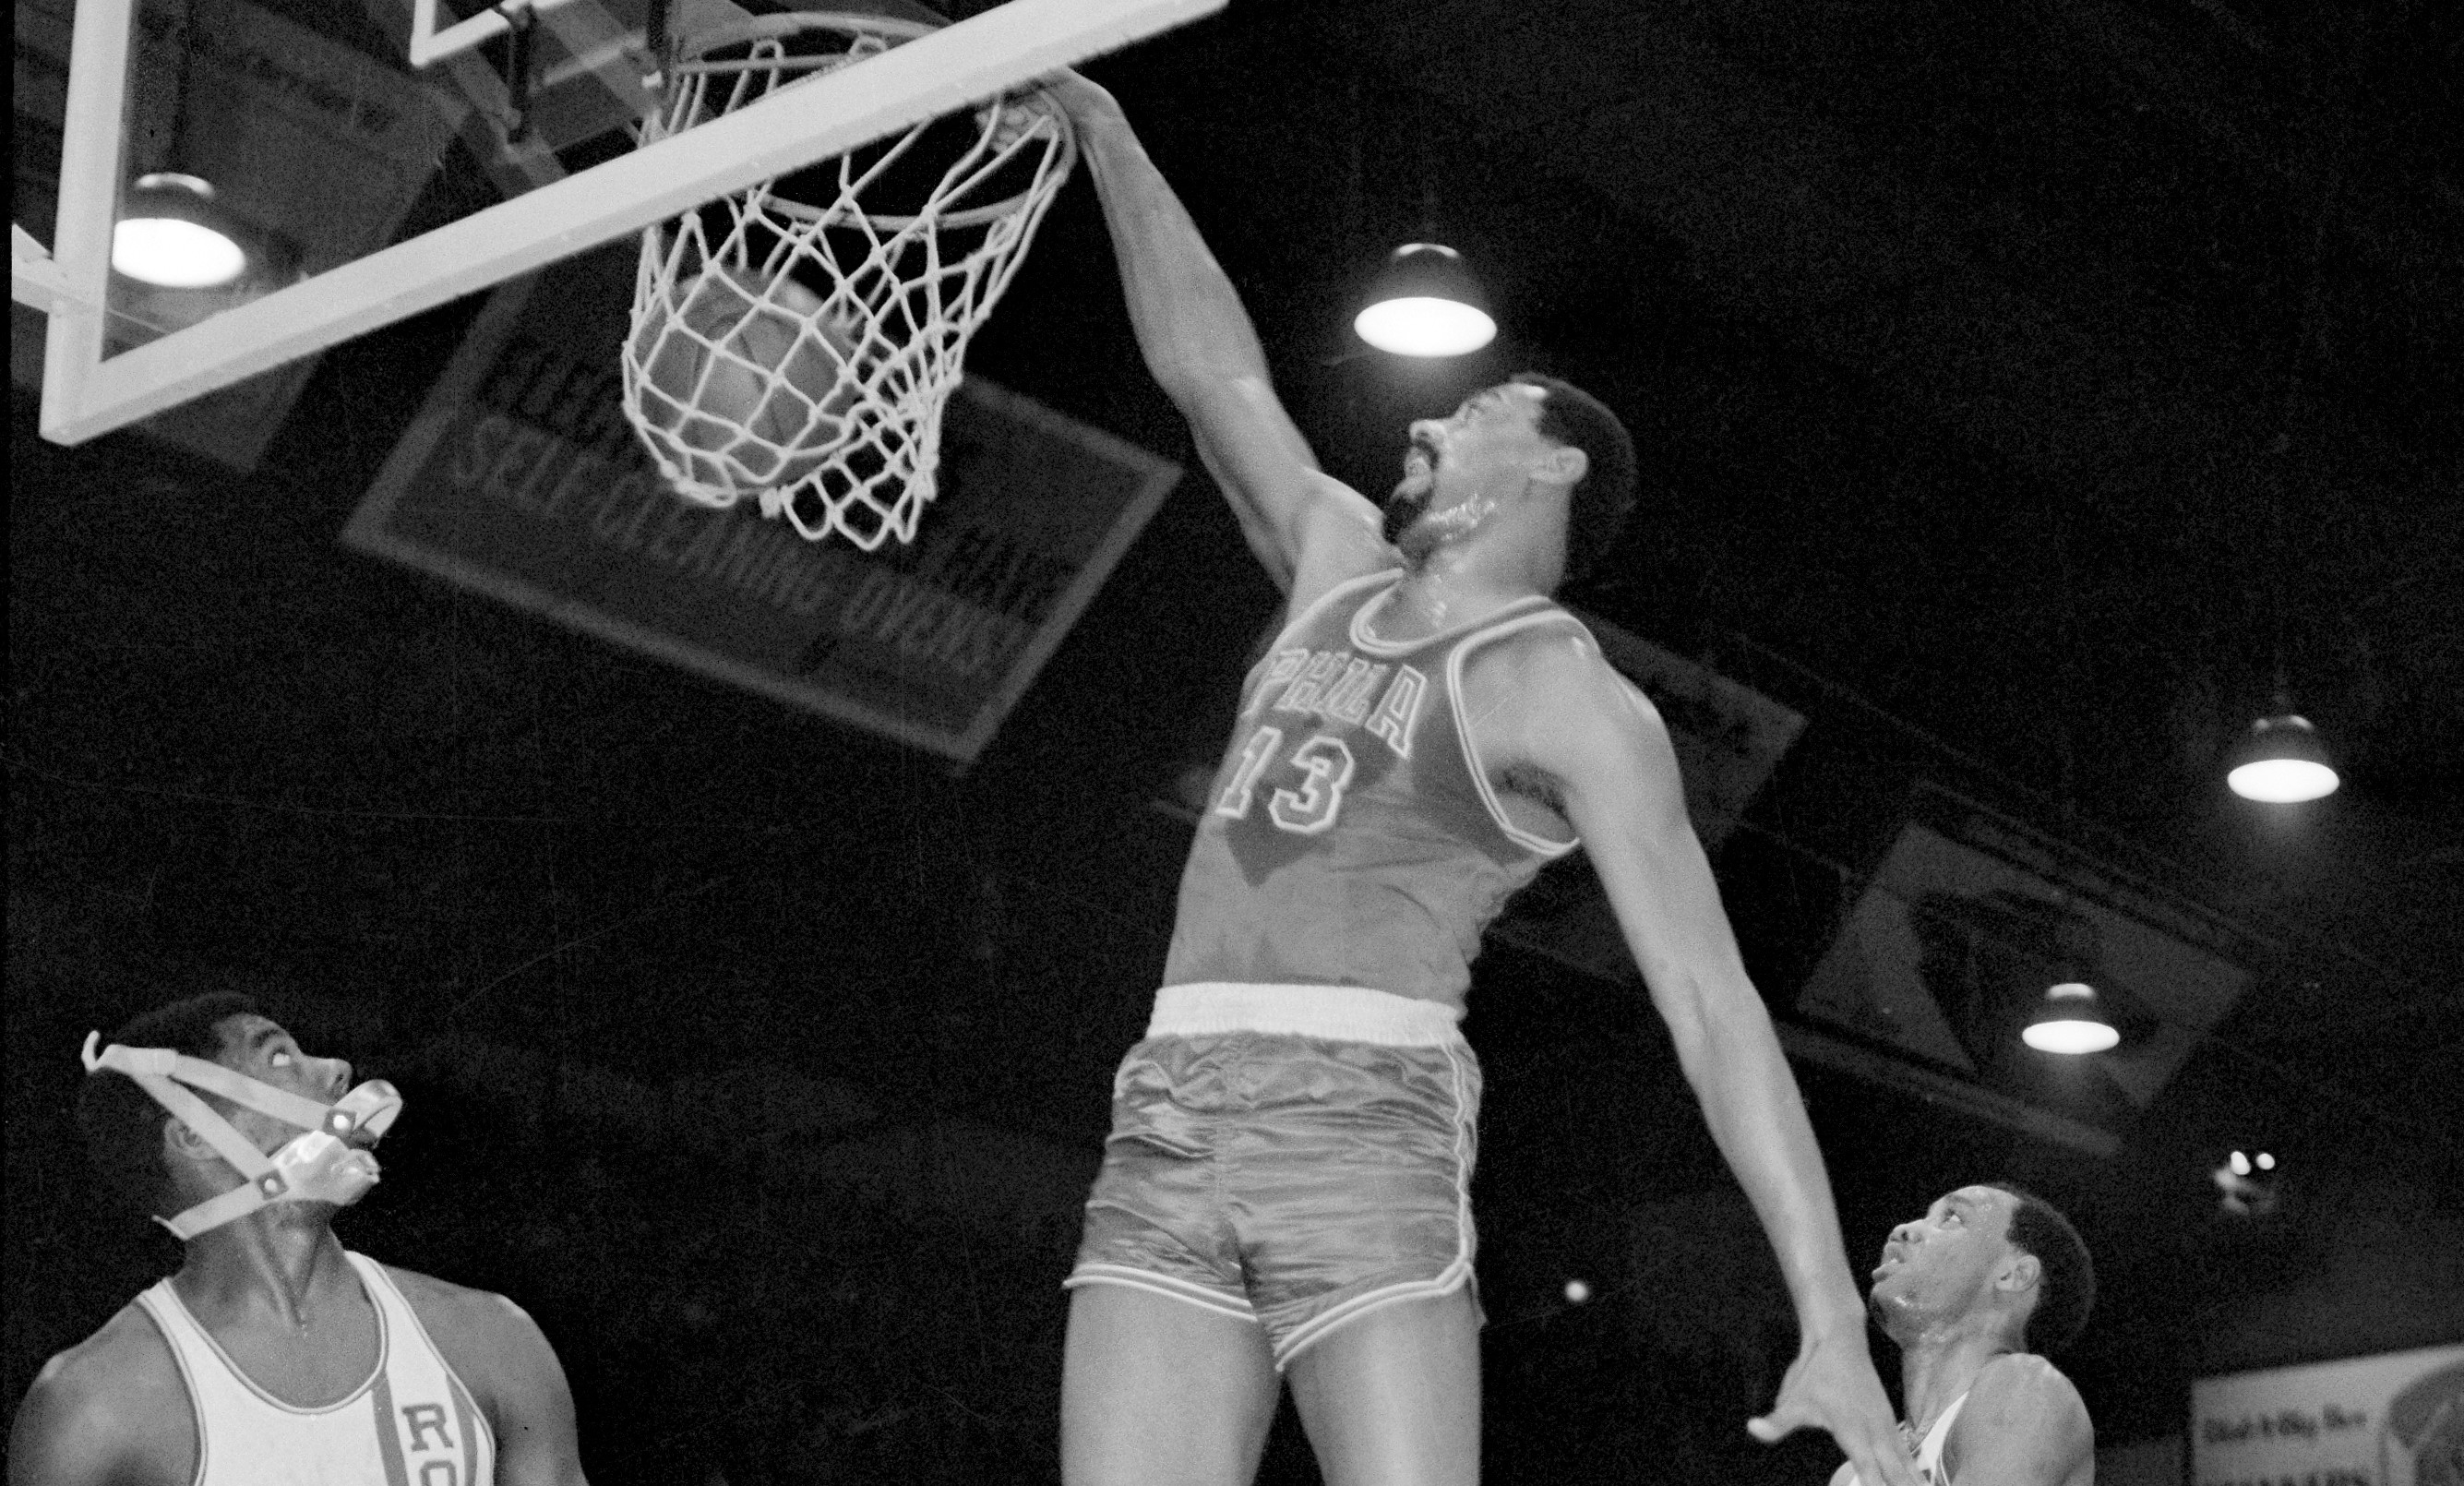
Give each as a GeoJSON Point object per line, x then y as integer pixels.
{"type": "Point", "coordinates": [1325, 765]}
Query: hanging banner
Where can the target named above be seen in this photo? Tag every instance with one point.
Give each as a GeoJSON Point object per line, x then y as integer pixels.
{"type": "Point", "coordinates": [2396, 1420]}
{"type": "Point", "coordinates": [521, 479]}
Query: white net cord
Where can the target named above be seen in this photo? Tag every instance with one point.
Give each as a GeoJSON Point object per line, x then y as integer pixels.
{"type": "Point", "coordinates": [798, 341]}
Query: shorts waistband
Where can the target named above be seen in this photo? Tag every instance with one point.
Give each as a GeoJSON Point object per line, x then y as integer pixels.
{"type": "Point", "coordinates": [1338, 1013]}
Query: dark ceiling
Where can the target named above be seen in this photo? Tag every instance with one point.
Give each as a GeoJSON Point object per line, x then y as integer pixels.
{"type": "Point", "coordinates": [2028, 385]}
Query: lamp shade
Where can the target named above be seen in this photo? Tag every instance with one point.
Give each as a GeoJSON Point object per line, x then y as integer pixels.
{"type": "Point", "coordinates": [2070, 1021]}
{"type": "Point", "coordinates": [2281, 760]}
{"type": "Point", "coordinates": [1425, 302]}
{"type": "Point", "coordinates": [170, 234]}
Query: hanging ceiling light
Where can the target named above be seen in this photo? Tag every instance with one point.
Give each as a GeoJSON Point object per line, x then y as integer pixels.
{"type": "Point", "coordinates": [2069, 1021]}
{"type": "Point", "coordinates": [1425, 302]}
{"type": "Point", "coordinates": [170, 234]}
{"type": "Point", "coordinates": [2282, 762]}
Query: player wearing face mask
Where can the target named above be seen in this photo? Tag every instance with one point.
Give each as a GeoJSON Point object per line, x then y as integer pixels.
{"type": "Point", "coordinates": [274, 1356]}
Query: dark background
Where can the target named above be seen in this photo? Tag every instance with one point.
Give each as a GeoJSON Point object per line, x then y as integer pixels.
{"type": "Point", "coordinates": [2017, 386]}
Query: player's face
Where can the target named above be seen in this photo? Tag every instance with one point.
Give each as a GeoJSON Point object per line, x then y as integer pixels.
{"type": "Point", "coordinates": [1458, 468]}
{"type": "Point", "coordinates": [1945, 1258]}
{"type": "Point", "coordinates": [259, 1048]}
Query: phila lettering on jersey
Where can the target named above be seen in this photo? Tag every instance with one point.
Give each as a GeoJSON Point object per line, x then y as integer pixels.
{"type": "Point", "coordinates": [1353, 836]}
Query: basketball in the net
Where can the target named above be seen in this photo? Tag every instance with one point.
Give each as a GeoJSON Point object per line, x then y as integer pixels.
{"type": "Point", "coordinates": [756, 371]}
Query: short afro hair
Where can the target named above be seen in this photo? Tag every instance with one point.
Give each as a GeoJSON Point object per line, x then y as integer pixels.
{"type": "Point", "coordinates": [2066, 1281]}
{"type": "Point", "coordinates": [122, 1122]}
{"type": "Point", "coordinates": [1598, 505]}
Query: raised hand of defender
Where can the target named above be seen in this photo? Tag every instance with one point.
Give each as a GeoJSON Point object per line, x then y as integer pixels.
{"type": "Point", "coordinates": [1832, 1387]}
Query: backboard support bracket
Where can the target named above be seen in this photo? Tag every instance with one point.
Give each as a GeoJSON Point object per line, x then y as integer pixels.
{"type": "Point", "coordinates": [430, 44]}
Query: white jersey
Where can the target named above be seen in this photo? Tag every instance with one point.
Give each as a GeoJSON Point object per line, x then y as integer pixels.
{"type": "Point", "coordinates": [412, 1423]}
{"type": "Point", "coordinates": [1930, 1467]}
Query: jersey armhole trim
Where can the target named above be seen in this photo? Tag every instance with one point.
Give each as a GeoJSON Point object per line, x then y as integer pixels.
{"type": "Point", "coordinates": [147, 1302]}
{"type": "Point", "coordinates": [1942, 1427]}
{"type": "Point", "coordinates": [1318, 605]}
{"type": "Point", "coordinates": [1528, 840]}
{"type": "Point", "coordinates": [373, 1272]}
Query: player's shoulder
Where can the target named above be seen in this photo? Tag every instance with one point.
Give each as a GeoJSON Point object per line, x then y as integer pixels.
{"type": "Point", "coordinates": [459, 1312]}
{"type": "Point", "coordinates": [112, 1408]}
{"type": "Point", "coordinates": [2021, 1412]}
{"type": "Point", "coordinates": [2027, 1381]}
{"type": "Point", "coordinates": [1556, 665]}
{"type": "Point", "coordinates": [128, 1350]}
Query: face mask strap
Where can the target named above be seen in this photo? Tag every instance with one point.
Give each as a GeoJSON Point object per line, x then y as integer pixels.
{"type": "Point", "coordinates": [238, 1087]}
{"type": "Point", "coordinates": [153, 1070]}
{"type": "Point", "coordinates": [215, 1211]}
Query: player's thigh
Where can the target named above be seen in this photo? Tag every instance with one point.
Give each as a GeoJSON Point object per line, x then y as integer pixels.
{"type": "Point", "coordinates": [1392, 1398]}
{"type": "Point", "coordinates": [1154, 1390]}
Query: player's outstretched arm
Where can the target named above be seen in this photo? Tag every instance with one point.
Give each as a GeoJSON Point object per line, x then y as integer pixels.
{"type": "Point", "coordinates": [1602, 746]}
{"type": "Point", "coordinates": [1308, 528]}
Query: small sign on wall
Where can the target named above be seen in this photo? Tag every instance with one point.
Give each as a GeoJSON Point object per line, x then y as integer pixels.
{"type": "Point", "coordinates": [2393, 1420]}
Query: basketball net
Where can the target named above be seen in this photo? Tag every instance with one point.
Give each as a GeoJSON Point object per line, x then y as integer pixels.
{"type": "Point", "coordinates": [798, 341]}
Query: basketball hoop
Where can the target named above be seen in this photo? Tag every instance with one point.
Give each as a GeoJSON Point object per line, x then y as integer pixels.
{"type": "Point", "coordinates": [797, 341]}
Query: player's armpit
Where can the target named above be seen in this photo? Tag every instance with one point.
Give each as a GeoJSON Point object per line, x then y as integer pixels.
{"type": "Point", "coordinates": [2023, 1425]}
{"type": "Point", "coordinates": [1578, 722]}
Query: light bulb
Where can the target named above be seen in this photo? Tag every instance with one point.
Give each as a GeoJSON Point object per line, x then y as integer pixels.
{"type": "Point", "coordinates": [2282, 781]}
{"type": "Point", "coordinates": [174, 254]}
{"type": "Point", "coordinates": [2070, 1037]}
{"type": "Point", "coordinates": [1422, 325]}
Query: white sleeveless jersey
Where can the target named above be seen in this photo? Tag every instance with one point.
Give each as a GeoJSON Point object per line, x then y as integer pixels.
{"type": "Point", "coordinates": [1929, 1466]}
{"type": "Point", "coordinates": [412, 1423]}
{"type": "Point", "coordinates": [1929, 1462]}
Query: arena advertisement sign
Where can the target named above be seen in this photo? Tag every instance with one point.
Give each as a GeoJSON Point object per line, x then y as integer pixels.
{"type": "Point", "coordinates": [1949, 948]}
{"type": "Point", "coordinates": [521, 479]}
{"type": "Point", "coordinates": [2393, 1420]}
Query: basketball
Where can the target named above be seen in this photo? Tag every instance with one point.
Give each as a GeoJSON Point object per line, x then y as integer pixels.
{"type": "Point", "coordinates": [754, 371]}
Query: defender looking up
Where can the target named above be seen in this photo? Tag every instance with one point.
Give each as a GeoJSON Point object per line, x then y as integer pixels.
{"type": "Point", "coordinates": [1964, 1290]}
{"type": "Point", "coordinates": [1286, 1189]}
{"type": "Point", "coordinates": [275, 1357]}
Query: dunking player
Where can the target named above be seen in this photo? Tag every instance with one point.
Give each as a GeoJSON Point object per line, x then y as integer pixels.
{"type": "Point", "coordinates": [1286, 1185]}
{"type": "Point", "coordinates": [275, 1357]}
{"type": "Point", "coordinates": [1964, 1290]}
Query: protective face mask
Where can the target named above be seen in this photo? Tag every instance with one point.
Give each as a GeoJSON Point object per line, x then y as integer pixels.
{"type": "Point", "coordinates": [319, 1165]}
